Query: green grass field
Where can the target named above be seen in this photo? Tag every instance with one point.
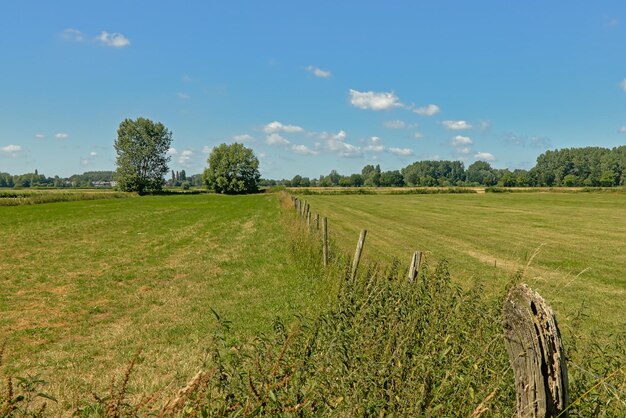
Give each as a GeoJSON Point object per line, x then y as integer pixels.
{"type": "Point", "coordinates": [86, 284]}
{"type": "Point", "coordinates": [572, 245]}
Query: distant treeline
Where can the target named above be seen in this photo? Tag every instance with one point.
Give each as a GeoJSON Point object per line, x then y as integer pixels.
{"type": "Point", "coordinates": [569, 167]}
{"type": "Point", "coordinates": [87, 179]}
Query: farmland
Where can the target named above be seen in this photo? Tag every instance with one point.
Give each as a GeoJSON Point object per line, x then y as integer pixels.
{"type": "Point", "coordinates": [86, 284]}
{"type": "Point", "coordinates": [572, 246]}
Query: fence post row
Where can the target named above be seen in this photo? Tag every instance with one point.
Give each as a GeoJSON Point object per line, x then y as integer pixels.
{"type": "Point", "coordinates": [535, 349]}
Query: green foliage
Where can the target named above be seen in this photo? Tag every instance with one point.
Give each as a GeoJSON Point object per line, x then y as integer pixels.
{"type": "Point", "coordinates": [141, 148]}
{"type": "Point", "coordinates": [233, 169]}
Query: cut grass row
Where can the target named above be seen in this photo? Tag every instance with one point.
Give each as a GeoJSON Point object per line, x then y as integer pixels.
{"type": "Point", "coordinates": [572, 246]}
{"type": "Point", "coordinates": [87, 284]}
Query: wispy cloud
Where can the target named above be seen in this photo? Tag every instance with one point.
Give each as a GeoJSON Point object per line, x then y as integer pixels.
{"type": "Point", "coordinates": [12, 151]}
{"type": "Point", "coordinates": [93, 154]}
{"type": "Point", "coordinates": [541, 142]}
{"type": "Point", "coordinates": [622, 130]}
{"type": "Point", "coordinates": [623, 84]}
{"type": "Point", "coordinates": [395, 124]}
{"type": "Point", "coordinates": [428, 110]}
{"type": "Point", "coordinates": [374, 100]}
{"type": "Point", "coordinates": [336, 144]}
{"type": "Point", "coordinates": [418, 135]}
{"type": "Point", "coordinates": [303, 150]}
{"type": "Point", "coordinates": [276, 139]}
{"type": "Point", "coordinates": [456, 125]}
{"type": "Point", "coordinates": [61, 135]}
{"type": "Point", "coordinates": [461, 140]}
{"type": "Point", "coordinates": [317, 72]}
{"type": "Point", "coordinates": [171, 151]}
{"type": "Point", "coordinates": [115, 40]}
{"type": "Point", "coordinates": [402, 152]}
{"type": "Point", "coordinates": [374, 144]}
{"type": "Point", "coordinates": [276, 126]}
{"type": "Point", "coordinates": [485, 156]}
{"type": "Point", "coordinates": [72, 35]}
{"type": "Point", "coordinates": [40, 136]}
{"type": "Point", "coordinates": [207, 149]}
{"type": "Point", "coordinates": [185, 157]}
{"type": "Point", "coordinates": [243, 138]}
{"type": "Point", "coordinates": [183, 96]}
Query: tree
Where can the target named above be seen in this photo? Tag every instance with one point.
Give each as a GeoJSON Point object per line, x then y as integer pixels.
{"type": "Point", "coordinates": [141, 147]}
{"type": "Point", "coordinates": [233, 169]}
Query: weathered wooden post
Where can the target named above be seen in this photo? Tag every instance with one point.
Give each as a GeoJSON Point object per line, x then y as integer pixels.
{"type": "Point", "coordinates": [414, 269]}
{"type": "Point", "coordinates": [325, 241]}
{"type": "Point", "coordinates": [308, 220]}
{"type": "Point", "coordinates": [317, 221]}
{"type": "Point", "coordinates": [359, 250]}
{"type": "Point", "coordinates": [533, 342]}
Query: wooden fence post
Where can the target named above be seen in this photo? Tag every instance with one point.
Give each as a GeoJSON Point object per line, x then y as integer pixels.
{"type": "Point", "coordinates": [325, 241]}
{"type": "Point", "coordinates": [359, 250]}
{"type": "Point", "coordinates": [317, 221]}
{"type": "Point", "coordinates": [533, 342]}
{"type": "Point", "coordinates": [414, 269]}
{"type": "Point", "coordinates": [308, 220]}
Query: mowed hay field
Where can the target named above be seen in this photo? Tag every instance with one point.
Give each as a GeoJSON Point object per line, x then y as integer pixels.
{"type": "Point", "coordinates": [85, 285]}
{"type": "Point", "coordinates": [571, 245]}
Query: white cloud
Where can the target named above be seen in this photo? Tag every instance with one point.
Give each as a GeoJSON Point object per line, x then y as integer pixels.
{"type": "Point", "coordinates": [243, 138]}
{"type": "Point", "coordinates": [183, 96]}
{"type": "Point", "coordinates": [395, 124]}
{"type": "Point", "coordinates": [40, 136]}
{"type": "Point", "coordinates": [461, 140]}
{"type": "Point", "coordinates": [318, 72]}
{"type": "Point", "coordinates": [276, 126]}
{"type": "Point", "coordinates": [185, 157]}
{"type": "Point", "coordinates": [418, 135]}
{"type": "Point", "coordinates": [464, 151]}
{"type": "Point", "coordinates": [276, 139]}
{"type": "Point", "coordinates": [485, 156]}
{"type": "Point", "coordinates": [373, 100]}
{"type": "Point", "coordinates": [73, 35]}
{"type": "Point", "coordinates": [622, 130]}
{"type": "Point", "coordinates": [623, 84]}
{"type": "Point", "coordinates": [11, 148]}
{"type": "Point", "coordinates": [171, 151]}
{"type": "Point", "coordinates": [207, 149]}
{"type": "Point", "coordinates": [456, 125]}
{"type": "Point", "coordinates": [428, 110]}
{"type": "Point", "coordinates": [303, 150]}
{"type": "Point", "coordinates": [374, 144]}
{"type": "Point", "coordinates": [335, 143]}
{"type": "Point", "coordinates": [93, 153]}
{"type": "Point", "coordinates": [61, 135]}
{"type": "Point", "coordinates": [115, 40]}
{"type": "Point", "coordinates": [402, 152]}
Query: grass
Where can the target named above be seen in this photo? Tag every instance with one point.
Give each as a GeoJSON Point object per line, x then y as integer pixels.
{"type": "Point", "coordinates": [87, 284]}
{"type": "Point", "coordinates": [572, 246]}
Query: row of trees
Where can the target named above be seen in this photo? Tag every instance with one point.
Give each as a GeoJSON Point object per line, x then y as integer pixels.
{"type": "Point", "coordinates": [591, 166]}
{"type": "Point", "coordinates": [87, 179]}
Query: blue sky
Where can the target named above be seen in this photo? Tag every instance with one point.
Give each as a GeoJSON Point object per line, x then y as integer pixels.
{"type": "Point", "coordinates": [310, 86]}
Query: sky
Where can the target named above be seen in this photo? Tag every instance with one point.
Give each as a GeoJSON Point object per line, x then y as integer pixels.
{"type": "Point", "coordinates": [310, 86]}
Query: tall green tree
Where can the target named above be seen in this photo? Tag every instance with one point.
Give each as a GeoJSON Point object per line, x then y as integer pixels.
{"type": "Point", "coordinates": [141, 147]}
{"type": "Point", "coordinates": [233, 169]}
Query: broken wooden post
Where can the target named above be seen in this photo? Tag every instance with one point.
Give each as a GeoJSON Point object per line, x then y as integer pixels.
{"type": "Point", "coordinates": [414, 269]}
{"type": "Point", "coordinates": [325, 241]}
{"type": "Point", "coordinates": [533, 342]}
{"type": "Point", "coordinates": [359, 250]}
